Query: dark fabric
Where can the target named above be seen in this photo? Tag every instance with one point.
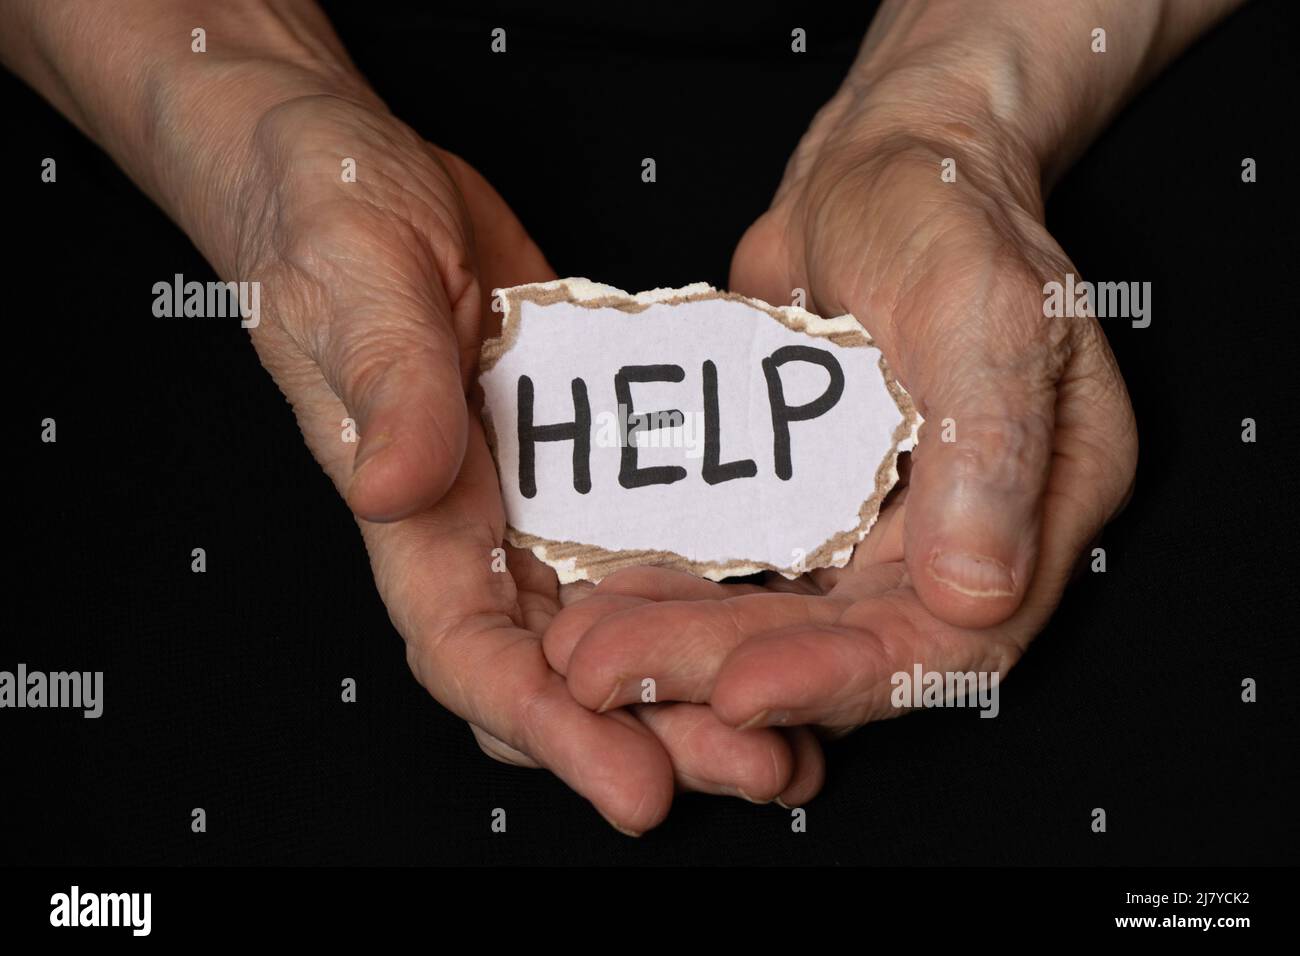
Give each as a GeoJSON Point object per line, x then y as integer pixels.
{"type": "Point", "coordinates": [222, 689]}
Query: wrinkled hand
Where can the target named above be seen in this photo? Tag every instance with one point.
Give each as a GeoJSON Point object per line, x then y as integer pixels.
{"type": "Point", "coordinates": [376, 301]}
{"type": "Point", "coordinates": [968, 563]}
{"type": "Point", "coordinates": [379, 298]}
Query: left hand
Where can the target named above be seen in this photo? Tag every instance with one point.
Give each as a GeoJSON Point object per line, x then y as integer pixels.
{"type": "Point", "coordinates": [965, 567]}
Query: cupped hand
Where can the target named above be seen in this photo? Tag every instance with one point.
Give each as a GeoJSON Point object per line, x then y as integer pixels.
{"type": "Point", "coordinates": [377, 293]}
{"type": "Point", "coordinates": [1029, 445]}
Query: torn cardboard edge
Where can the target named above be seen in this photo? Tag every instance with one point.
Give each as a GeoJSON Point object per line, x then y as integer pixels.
{"type": "Point", "coordinates": [577, 561]}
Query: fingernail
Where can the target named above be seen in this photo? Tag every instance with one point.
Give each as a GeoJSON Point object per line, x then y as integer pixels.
{"type": "Point", "coordinates": [744, 796]}
{"type": "Point", "coordinates": [623, 830]}
{"type": "Point", "coordinates": [972, 574]}
{"type": "Point", "coordinates": [754, 721]}
{"type": "Point", "coordinates": [609, 701]}
{"type": "Point", "coordinates": [782, 804]}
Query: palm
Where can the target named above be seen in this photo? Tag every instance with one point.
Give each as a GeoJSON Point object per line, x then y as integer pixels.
{"type": "Point", "coordinates": [817, 650]}
{"type": "Point", "coordinates": [939, 277]}
{"type": "Point", "coordinates": [381, 293]}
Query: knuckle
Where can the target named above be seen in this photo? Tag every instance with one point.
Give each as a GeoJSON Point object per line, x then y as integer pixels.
{"type": "Point", "coordinates": [1002, 446]}
{"type": "Point", "coordinates": [358, 363]}
{"type": "Point", "coordinates": [533, 713]}
{"type": "Point", "coordinates": [358, 356]}
{"type": "Point", "coordinates": [1004, 452]}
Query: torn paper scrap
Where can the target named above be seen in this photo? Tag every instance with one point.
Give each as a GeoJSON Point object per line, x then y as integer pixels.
{"type": "Point", "coordinates": [687, 428]}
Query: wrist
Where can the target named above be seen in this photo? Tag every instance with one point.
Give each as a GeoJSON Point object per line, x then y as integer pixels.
{"type": "Point", "coordinates": [1039, 78]}
{"type": "Point", "coordinates": [206, 165]}
{"type": "Point", "coordinates": [177, 111]}
{"type": "Point", "coordinates": [924, 110]}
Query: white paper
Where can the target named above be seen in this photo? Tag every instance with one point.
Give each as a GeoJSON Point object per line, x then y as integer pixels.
{"type": "Point", "coordinates": [838, 460]}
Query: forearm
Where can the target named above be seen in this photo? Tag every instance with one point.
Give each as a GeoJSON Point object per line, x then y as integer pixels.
{"type": "Point", "coordinates": [177, 121]}
{"type": "Point", "coordinates": [1029, 68]}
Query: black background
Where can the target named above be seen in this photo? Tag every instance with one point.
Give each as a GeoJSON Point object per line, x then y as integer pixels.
{"type": "Point", "coordinates": [222, 689]}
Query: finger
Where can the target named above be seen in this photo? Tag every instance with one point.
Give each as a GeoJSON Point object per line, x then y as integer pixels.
{"type": "Point", "coordinates": [710, 757]}
{"type": "Point", "coordinates": [498, 749]}
{"type": "Point", "coordinates": [388, 349]}
{"type": "Point", "coordinates": [568, 627]}
{"type": "Point", "coordinates": [402, 387]}
{"type": "Point", "coordinates": [883, 545]}
{"type": "Point", "coordinates": [985, 366]}
{"type": "Point", "coordinates": [628, 588]}
{"type": "Point", "coordinates": [665, 584]}
{"type": "Point", "coordinates": [536, 587]}
{"type": "Point", "coordinates": [612, 760]}
{"type": "Point", "coordinates": [465, 645]}
{"type": "Point", "coordinates": [974, 519]}
{"type": "Point", "coordinates": [707, 756]}
{"type": "Point", "coordinates": [528, 718]}
{"type": "Point", "coordinates": [368, 278]}
{"type": "Point", "coordinates": [403, 344]}
{"type": "Point", "coordinates": [809, 772]}
{"type": "Point", "coordinates": [760, 265]}
{"type": "Point", "coordinates": [1058, 430]}
{"type": "Point", "coordinates": [376, 388]}
{"type": "Point", "coordinates": [678, 644]}
{"type": "Point", "coordinates": [841, 675]}
{"type": "Point", "coordinates": [1092, 473]}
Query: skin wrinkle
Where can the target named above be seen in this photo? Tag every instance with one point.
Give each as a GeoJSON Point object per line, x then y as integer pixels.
{"type": "Point", "coordinates": [499, 750]}
{"type": "Point", "coordinates": [1047, 358]}
{"type": "Point", "coordinates": [1036, 360]}
{"type": "Point", "coordinates": [435, 630]}
{"type": "Point", "coordinates": [536, 611]}
{"type": "Point", "coordinates": [851, 674]}
{"type": "Point", "coordinates": [396, 200]}
{"type": "Point", "coordinates": [904, 289]}
{"type": "Point", "coordinates": [780, 780]}
{"type": "Point", "coordinates": [532, 710]}
{"type": "Point", "coordinates": [232, 131]}
{"type": "Point", "coordinates": [362, 354]}
{"type": "Point", "coordinates": [1086, 507]}
{"type": "Point", "coordinates": [498, 610]}
{"type": "Point", "coordinates": [424, 648]}
{"type": "Point", "coordinates": [397, 196]}
{"type": "Point", "coordinates": [260, 217]}
{"type": "Point", "coordinates": [468, 704]}
{"type": "Point", "coordinates": [366, 362]}
{"type": "Point", "coordinates": [640, 807]}
{"type": "Point", "coordinates": [1096, 459]}
{"type": "Point", "coordinates": [1004, 459]}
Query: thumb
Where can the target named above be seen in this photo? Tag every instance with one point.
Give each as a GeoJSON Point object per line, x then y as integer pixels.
{"type": "Point", "coordinates": [975, 503]}
{"type": "Point", "coordinates": [397, 367]}
{"type": "Point", "coordinates": [403, 369]}
{"type": "Point", "coordinates": [988, 393]}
